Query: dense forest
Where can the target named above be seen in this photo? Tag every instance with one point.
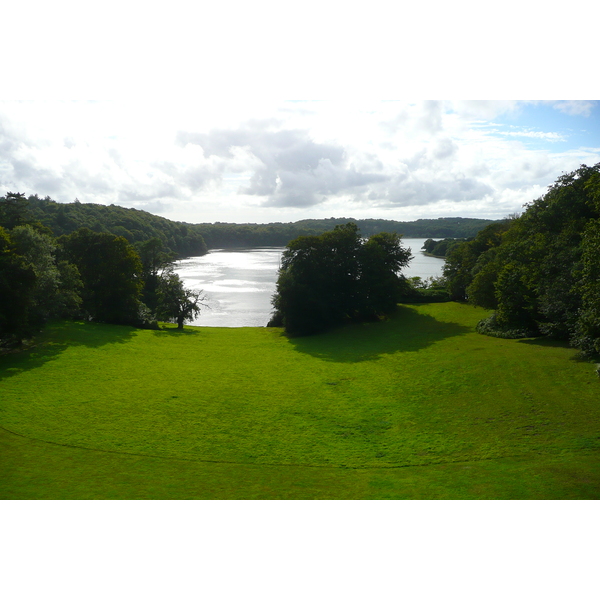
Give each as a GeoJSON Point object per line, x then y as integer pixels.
{"type": "Point", "coordinates": [186, 239]}
{"type": "Point", "coordinates": [86, 274]}
{"type": "Point", "coordinates": [539, 272]}
{"type": "Point", "coordinates": [134, 225]}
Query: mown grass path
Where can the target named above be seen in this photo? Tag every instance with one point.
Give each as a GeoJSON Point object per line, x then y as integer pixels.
{"type": "Point", "coordinates": [420, 406]}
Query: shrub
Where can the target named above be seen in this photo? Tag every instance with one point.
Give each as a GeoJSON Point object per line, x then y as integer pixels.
{"type": "Point", "coordinates": [490, 326]}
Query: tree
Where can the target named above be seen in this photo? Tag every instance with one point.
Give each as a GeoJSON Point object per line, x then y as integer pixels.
{"type": "Point", "coordinates": [542, 277]}
{"type": "Point", "coordinates": [328, 279]}
{"type": "Point", "coordinates": [461, 261]}
{"type": "Point", "coordinates": [56, 291]}
{"type": "Point", "coordinates": [14, 210]}
{"type": "Point", "coordinates": [458, 270]}
{"type": "Point", "coordinates": [155, 261]}
{"type": "Point", "coordinates": [482, 289]}
{"type": "Point", "coordinates": [382, 258]}
{"type": "Point", "coordinates": [316, 287]}
{"type": "Point", "coordinates": [176, 303]}
{"type": "Point", "coordinates": [429, 245]}
{"type": "Point", "coordinates": [111, 272]}
{"type": "Point", "coordinates": [586, 334]}
{"type": "Point", "coordinates": [17, 285]}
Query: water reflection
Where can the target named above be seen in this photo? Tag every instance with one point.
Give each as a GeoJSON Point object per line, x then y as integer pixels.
{"type": "Point", "coordinates": [239, 283]}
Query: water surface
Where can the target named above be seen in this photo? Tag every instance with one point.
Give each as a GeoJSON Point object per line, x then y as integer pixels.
{"type": "Point", "coordinates": [239, 283]}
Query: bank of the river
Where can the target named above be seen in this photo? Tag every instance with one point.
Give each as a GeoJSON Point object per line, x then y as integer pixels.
{"type": "Point", "coordinates": [239, 283]}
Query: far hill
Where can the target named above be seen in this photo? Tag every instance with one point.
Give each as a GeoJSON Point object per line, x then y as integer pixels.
{"type": "Point", "coordinates": [134, 225]}
{"type": "Point", "coordinates": [450, 227]}
{"type": "Point", "coordinates": [231, 235]}
{"type": "Point", "coordinates": [187, 239]}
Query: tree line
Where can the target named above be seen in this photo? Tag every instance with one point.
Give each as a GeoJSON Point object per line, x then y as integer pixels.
{"type": "Point", "coordinates": [230, 235]}
{"type": "Point", "coordinates": [540, 271]}
{"type": "Point", "coordinates": [136, 226]}
{"type": "Point", "coordinates": [186, 239]}
{"type": "Point", "coordinates": [84, 275]}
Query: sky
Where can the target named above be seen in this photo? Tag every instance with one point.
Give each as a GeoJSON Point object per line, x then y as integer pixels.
{"type": "Point", "coordinates": [261, 114]}
{"type": "Point", "coordinates": [286, 161]}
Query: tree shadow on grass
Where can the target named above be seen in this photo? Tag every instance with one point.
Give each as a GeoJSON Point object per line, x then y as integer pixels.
{"type": "Point", "coordinates": [59, 336]}
{"type": "Point", "coordinates": [549, 342]}
{"type": "Point", "coordinates": [406, 331]}
{"type": "Point", "coordinates": [545, 341]}
{"type": "Point", "coordinates": [166, 330]}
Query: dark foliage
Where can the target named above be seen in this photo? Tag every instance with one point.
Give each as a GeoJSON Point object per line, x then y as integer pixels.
{"type": "Point", "coordinates": [136, 226]}
{"type": "Point", "coordinates": [185, 239]}
{"type": "Point", "coordinates": [17, 285]}
{"type": "Point", "coordinates": [111, 272]}
{"type": "Point", "coordinates": [35, 286]}
{"type": "Point", "coordinates": [433, 289]}
{"type": "Point", "coordinates": [176, 303]}
{"type": "Point", "coordinates": [335, 277]}
{"type": "Point", "coordinates": [443, 247]}
{"type": "Point", "coordinates": [444, 227]}
{"type": "Point", "coordinates": [540, 272]}
{"type": "Point", "coordinates": [155, 263]}
{"type": "Point", "coordinates": [231, 235]}
{"type": "Point", "coordinates": [14, 211]}
{"type": "Point", "coordinates": [462, 258]}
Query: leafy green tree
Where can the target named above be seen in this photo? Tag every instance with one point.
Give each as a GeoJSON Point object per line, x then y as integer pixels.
{"type": "Point", "coordinates": [111, 272]}
{"type": "Point", "coordinates": [429, 245]}
{"type": "Point", "coordinates": [327, 279]}
{"type": "Point", "coordinates": [155, 260]}
{"type": "Point", "coordinates": [134, 225]}
{"type": "Point", "coordinates": [543, 275]}
{"type": "Point", "coordinates": [382, 257]}
{"type": "Point", "coordinates": [586, 335]}
{"type": "Point", "coordinates": [517, 298]}
{"type": "Point", "coordinates": [316, 285]}
{"type": "Point", "coordinates": [56, 292]}
{"type": "Point", "coordinates": [460, 267]}
{"type": "Point", "coordinates": [482, 289]}
{"type": "Point", "coordinates": [176, 303]}
{"type": "Point", "coordinates": [443, 247]}
{"type": "Point", "coordinates": [458, 270]}
{"type": "Point", "coordinates": [14, 210]}
{"type": "Point", "coordinates": [546, 243]}
{"type": "Point", "coordinates": [17, 285]}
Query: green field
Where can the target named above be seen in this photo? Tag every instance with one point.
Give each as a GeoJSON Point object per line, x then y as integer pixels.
{"type": "Point", "coordinates": [417, 407]}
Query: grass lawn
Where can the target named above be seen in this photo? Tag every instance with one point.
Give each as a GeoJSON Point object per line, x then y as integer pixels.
{"type": "Point", "coordinates": [417, 407]}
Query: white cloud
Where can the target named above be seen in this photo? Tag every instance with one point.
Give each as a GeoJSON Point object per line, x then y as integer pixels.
{"type": "Point", "coordinates": [550, 136]}
{"type": "Point", "coordinates": [484, 109]}
{"type": "Point", "coordinates": [576, 107]}
{"type": "Point", "coordinates": [284, 161]}
{"type": "Point", "coordinates": [290, 168]}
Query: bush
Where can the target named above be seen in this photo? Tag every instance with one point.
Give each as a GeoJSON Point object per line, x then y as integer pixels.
{"type": "Point", "coordinates": [432, 289]}
{"type": "Point", "coordinates": [493, 328]}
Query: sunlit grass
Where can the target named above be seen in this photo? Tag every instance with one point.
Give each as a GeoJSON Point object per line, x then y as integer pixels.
{"type": "Point", "coordinates": [416, 407]}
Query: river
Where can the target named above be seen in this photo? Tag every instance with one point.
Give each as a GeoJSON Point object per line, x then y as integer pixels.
{"type": "Point", "coordinates": [239, 283]}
